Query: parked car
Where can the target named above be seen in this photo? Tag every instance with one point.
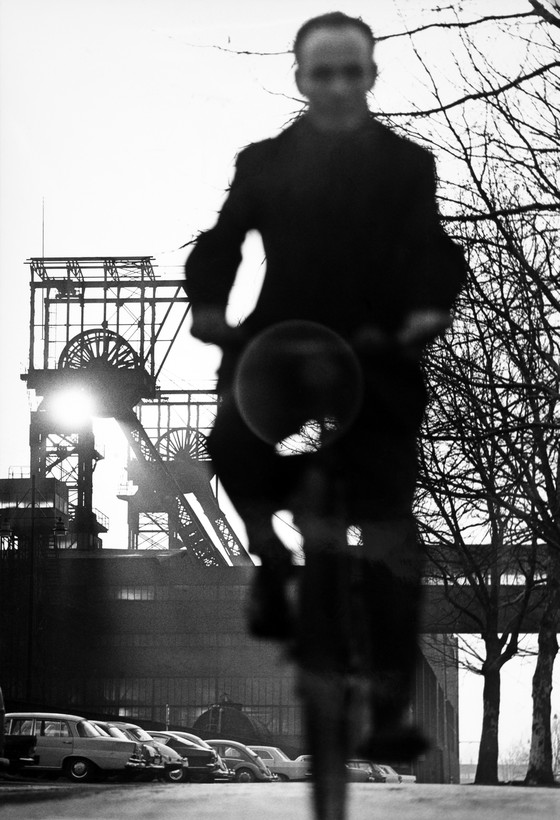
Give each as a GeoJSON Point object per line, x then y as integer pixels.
{"type": "Point", "coordinates": [308, 760]}
{"type": "Point", "coordinates": [360, 771]}
{"type": "Point", "coordinates": [280, 764]}
{"type": "Point", "coordinates": [174, 766]}
{"type": "Point", "coordinates": [246, 765]}
{"type": "Point", "coordinates": [73, 746]}
{"type": "Point", "coordinates": [407, 778]}
{"type": "Point", "coordinates": [224, 772]}
{"type": "Point", "coordinates": [203, 760]}
{"type": "Point", "coordinates": [392, 776]}
{"type": "Point", "coordinates": [154, 761]}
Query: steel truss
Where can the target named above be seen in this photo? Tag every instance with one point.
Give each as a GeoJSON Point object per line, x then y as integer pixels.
{"type": "Point", "coordinates": [106, 326]}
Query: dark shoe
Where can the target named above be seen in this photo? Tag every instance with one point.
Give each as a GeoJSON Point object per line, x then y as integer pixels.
{"type": "Point", "coordinates": [403, 744]}
{"type": "Point", "coordinates": [268, 610]}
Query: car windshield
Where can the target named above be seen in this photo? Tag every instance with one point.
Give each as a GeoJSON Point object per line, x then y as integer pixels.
{"type": "Point", "coordinates": [103, 730]}
{"type": "Point", "coordinates": [86, 729]}
{"type": "Point", "coordinates": [200, 742]}
{"type": "Point", "coordinates": [281, 754]}
{"type": "Point", "coordinates": [193, 739]}
{"type": "Point", "coordinates": [161, 739]}
{"type": "Point", "coordinates": [138, 733]}
{"type": "Point", "coordinates": [188, 744]}
{"type": "Point", "coordinates": [114, 731]}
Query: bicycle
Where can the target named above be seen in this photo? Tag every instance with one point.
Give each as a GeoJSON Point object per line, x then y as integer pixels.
{"type": "Point", "coordinates": [356, 615]}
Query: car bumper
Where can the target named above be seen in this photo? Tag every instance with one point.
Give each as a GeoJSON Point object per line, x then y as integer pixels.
{"type": "Point", "coordinates": [142, 765]}
{"type": "Point", "coordinates": [180, 764]}
{"type": "Point", "coordinates": [221, 775]}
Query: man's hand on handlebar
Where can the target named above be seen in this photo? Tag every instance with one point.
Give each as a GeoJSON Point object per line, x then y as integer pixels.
{"type": "Point", "coordinates": [422, 326]}
{"type": "Point", "coordinates": [419, 329]}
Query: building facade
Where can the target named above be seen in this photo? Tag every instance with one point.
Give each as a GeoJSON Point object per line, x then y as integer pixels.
{"type": "Point", "coordinates": [152, 637]}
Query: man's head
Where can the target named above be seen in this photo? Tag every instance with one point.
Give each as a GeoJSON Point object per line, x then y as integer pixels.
{"type": "Point", "coordinates": [335, 69]}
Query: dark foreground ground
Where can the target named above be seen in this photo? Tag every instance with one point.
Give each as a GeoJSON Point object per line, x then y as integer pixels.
{"type": "Point", "coordinates": [273, 801]}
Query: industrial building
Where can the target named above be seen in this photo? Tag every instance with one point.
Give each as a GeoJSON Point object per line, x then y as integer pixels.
{"type": "Point", "coordinates": [154, 631]}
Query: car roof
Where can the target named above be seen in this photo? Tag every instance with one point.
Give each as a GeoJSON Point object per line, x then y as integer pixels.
{"type": "Point", "coordinates": [108, 723]}
{"type": "Point", "coordinates": [122, 723]}
{"type": "Point", "coordinates": [44, 715]}
{"type": "Point", "coordinates": [180, 733]}
{"type": "Point", "coordinates": [172, 736]}
{"type": "Point", "coordinates": [227, 742]}
{"type": "Point", "coordinates": [194, 738]}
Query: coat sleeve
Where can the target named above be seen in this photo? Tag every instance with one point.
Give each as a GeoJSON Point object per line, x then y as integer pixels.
{"type": "Point", "coordinates": [212, 265]}
{"type": "Point", "coordinates": [436, 264]}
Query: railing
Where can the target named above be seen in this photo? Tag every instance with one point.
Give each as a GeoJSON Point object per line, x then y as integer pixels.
{"type": "Point", "coordinates": [101, 518]}
{"type": "Point", "coordinates": [19, 472]}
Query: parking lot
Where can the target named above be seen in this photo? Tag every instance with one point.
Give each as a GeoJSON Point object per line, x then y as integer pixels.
{"type": "Point", "coordinates": [270, 801]}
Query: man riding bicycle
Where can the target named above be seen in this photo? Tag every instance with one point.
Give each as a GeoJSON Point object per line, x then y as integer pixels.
{"type": "Point", "coordinates": [349, 221]}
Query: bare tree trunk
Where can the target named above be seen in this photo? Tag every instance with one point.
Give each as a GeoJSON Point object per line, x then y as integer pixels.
{"type": "Point", "coordinates": [487, 766]}
{"type": "Point", "coordinates": [540, 772]}
{"type": "Point", "coordinates": [2, 732]}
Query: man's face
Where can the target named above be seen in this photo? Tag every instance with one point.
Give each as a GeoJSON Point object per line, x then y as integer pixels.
{"type": "Point", "coordinates": [335, 72]}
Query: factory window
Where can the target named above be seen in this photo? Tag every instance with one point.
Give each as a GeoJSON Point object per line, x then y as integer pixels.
{"type": "Point", "coordinates": [147, 593]}
{"type": "Point", "coordinates": [126, 690]}
{"type": "Point", "coordinates": [140, 592]}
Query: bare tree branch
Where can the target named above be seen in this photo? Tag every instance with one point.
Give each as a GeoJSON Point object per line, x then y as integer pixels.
{"type": "Point", "coordinates": [480, 95]}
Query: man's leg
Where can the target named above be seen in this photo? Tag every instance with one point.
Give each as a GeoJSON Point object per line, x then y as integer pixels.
{"type": "Point", "coordinates": [257, 482]}
{"type": "Point", "coordinates": [392, 571]}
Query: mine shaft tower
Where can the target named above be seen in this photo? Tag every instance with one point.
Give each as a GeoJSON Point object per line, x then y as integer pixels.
{"type": "Point", "coordinates": [102, 329]}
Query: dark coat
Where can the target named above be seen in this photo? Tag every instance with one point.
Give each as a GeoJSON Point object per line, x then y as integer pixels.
{"type": "Point", "coordinates": [350, 229]}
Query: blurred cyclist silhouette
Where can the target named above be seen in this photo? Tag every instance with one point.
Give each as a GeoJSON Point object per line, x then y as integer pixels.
{"type": "Point", "coordinates": [349, 220]}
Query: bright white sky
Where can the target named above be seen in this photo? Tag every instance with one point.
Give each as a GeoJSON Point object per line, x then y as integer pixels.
{"type": "Point", "coordinates": [124, 117]}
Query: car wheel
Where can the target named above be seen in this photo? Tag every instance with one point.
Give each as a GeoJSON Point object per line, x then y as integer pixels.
{"type": "Point", "coordinates": [174, 775]}
{"type": "Point", "coordinates": [244, 776]}
{"type": "Point", "coordinates": [81, 770]}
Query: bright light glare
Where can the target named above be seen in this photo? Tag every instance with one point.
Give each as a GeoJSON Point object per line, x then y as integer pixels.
{"type": "Point", "coordinates": [72, 408]}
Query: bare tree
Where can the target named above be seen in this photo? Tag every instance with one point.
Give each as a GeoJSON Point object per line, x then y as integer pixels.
{"type": "Point", "coordinates": [555, 745]}
{"type": "Point", "coordinates": [486, 563]}
{"type": "Point", "coordinates": [490, 453]}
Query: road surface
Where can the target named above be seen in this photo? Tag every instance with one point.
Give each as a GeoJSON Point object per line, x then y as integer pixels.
{"type": "Point", "coordinates": [272, 801]}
